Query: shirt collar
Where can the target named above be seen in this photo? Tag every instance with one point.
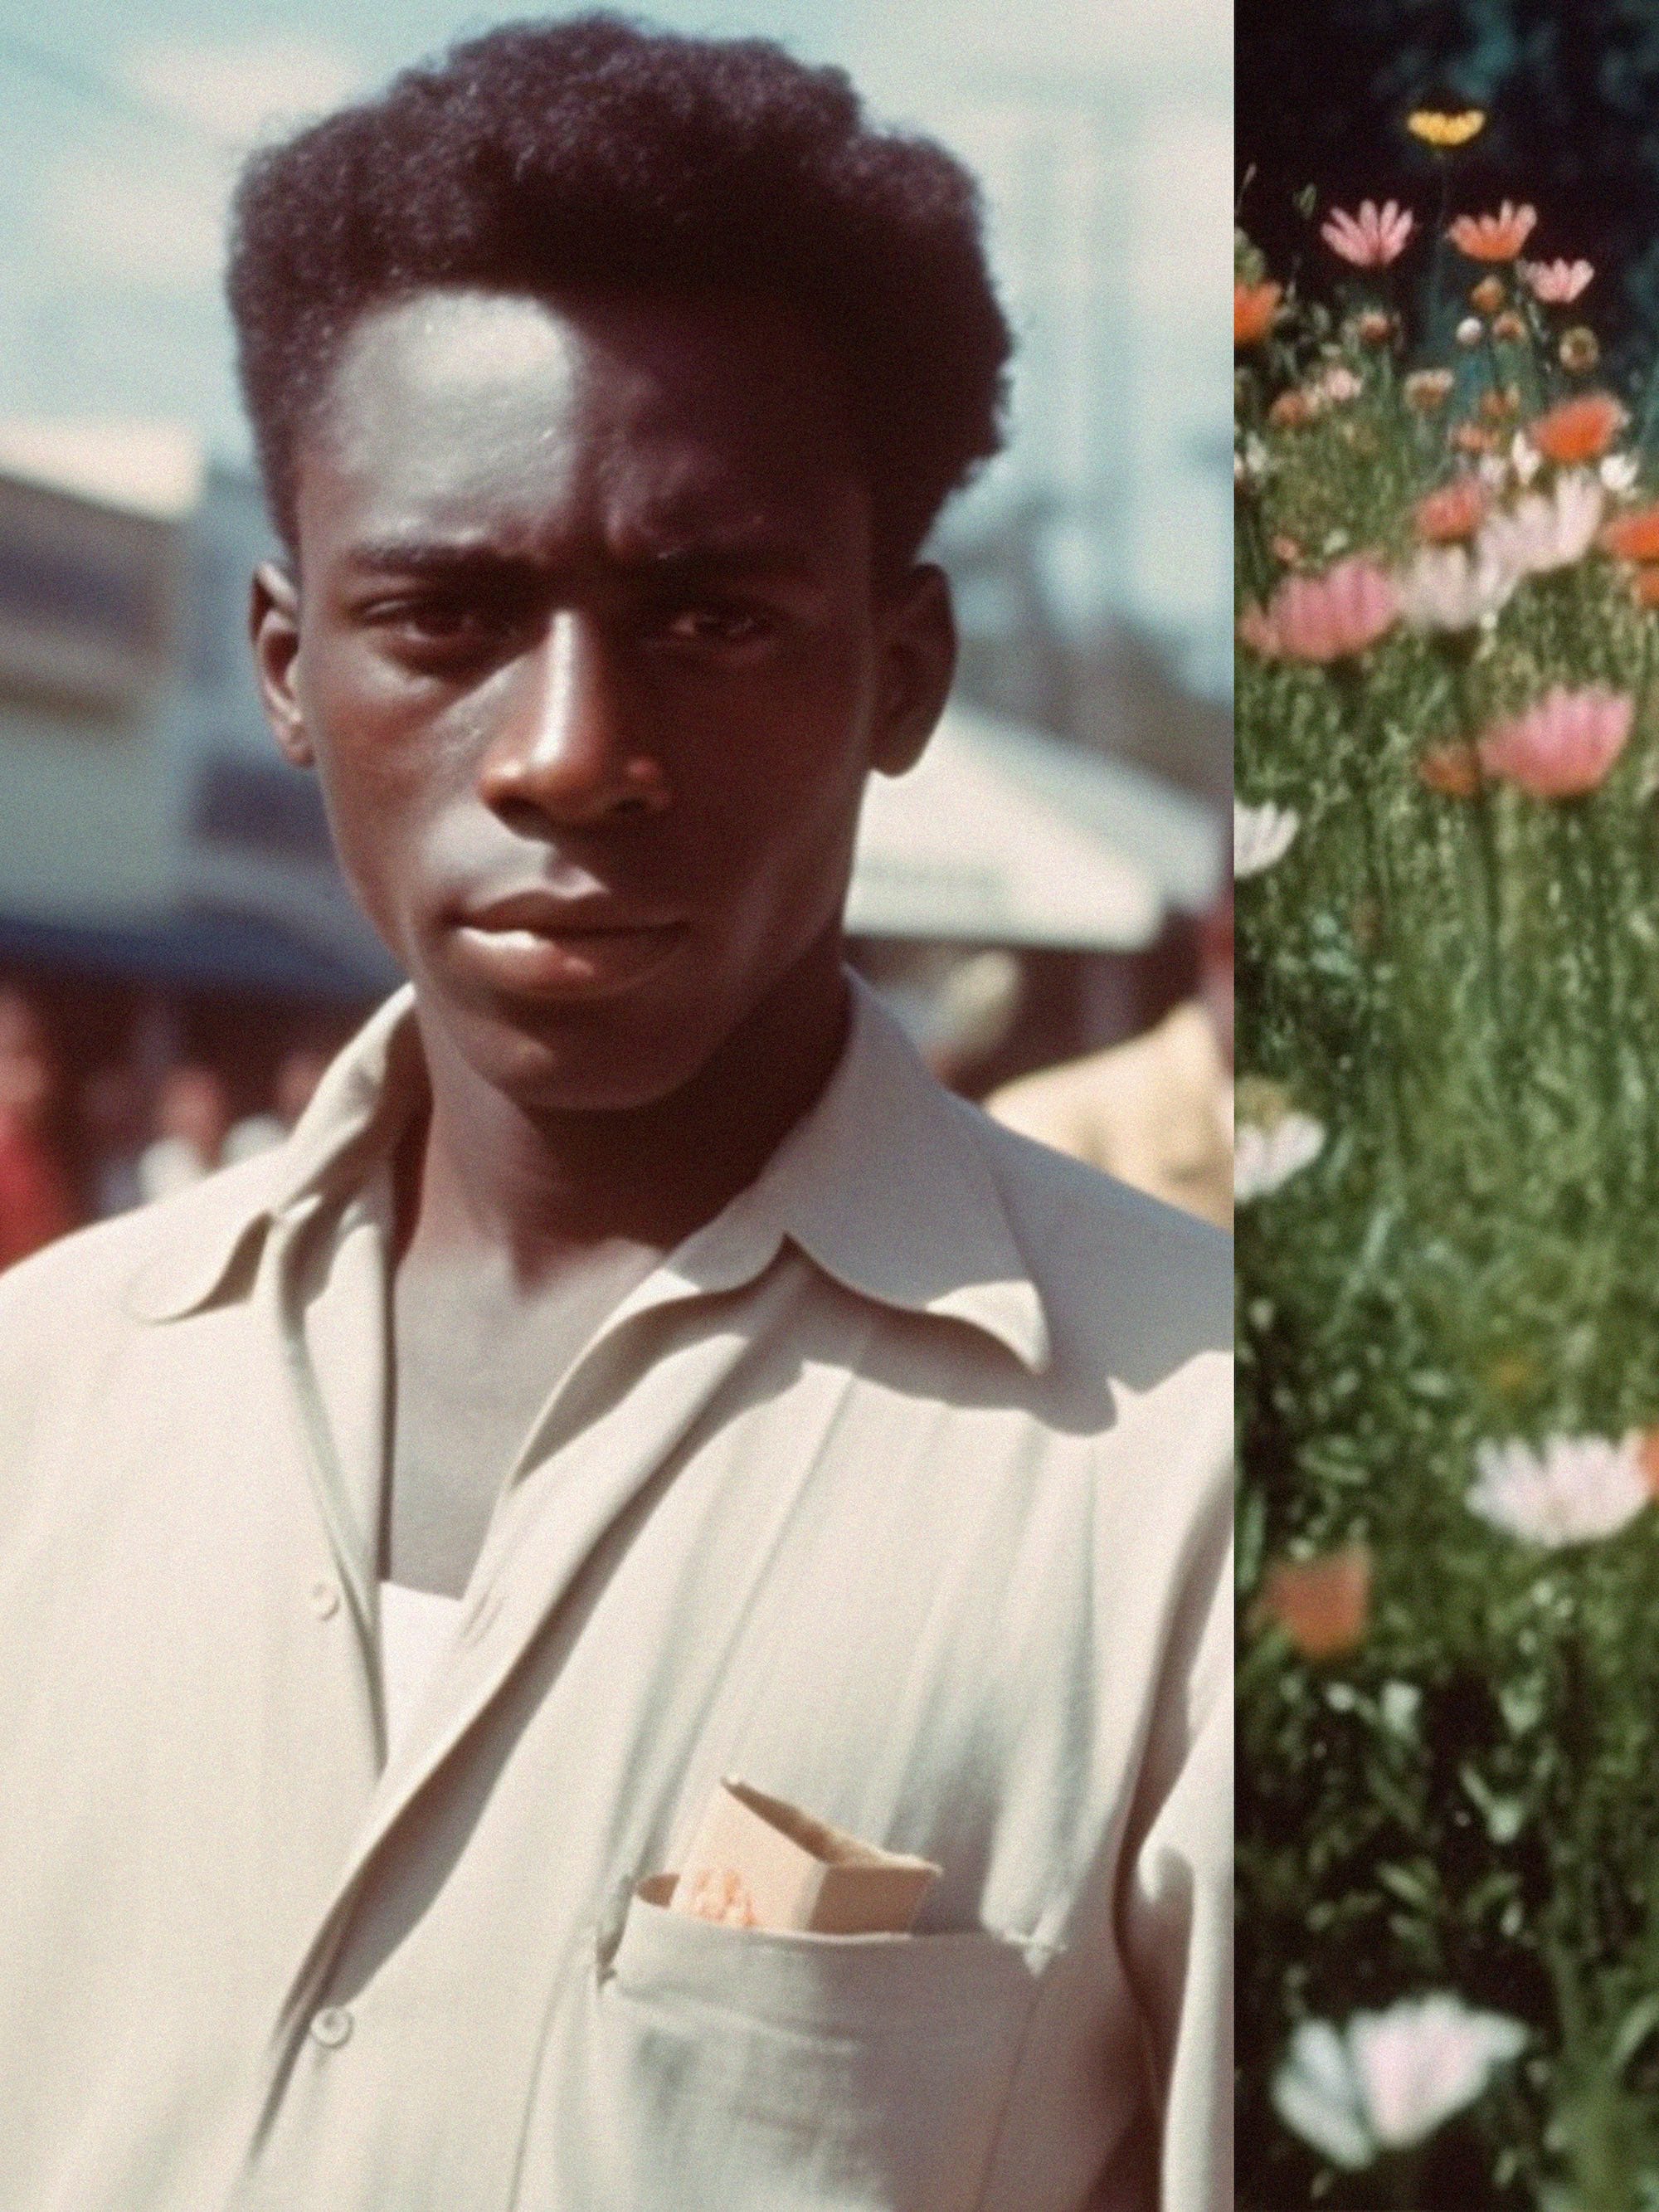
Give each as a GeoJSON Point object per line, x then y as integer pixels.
{"type": "Point", "coordinates": [885, 1185]}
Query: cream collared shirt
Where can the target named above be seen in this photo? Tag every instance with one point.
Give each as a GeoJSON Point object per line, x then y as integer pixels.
{"type": "Point", "coordinates": [899, 1490]}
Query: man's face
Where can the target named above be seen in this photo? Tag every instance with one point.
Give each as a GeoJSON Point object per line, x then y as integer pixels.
{"type": "Point", "coordinates": [588, 654]}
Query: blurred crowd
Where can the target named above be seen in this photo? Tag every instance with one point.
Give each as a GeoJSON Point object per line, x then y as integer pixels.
{"type": "Point", "coordinates": [75, 1153]}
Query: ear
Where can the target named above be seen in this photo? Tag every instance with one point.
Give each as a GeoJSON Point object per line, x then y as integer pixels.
{"type": "Point", "coordinates": [274, 626]}
{"type": "Point", "coordinates": [918, 660]}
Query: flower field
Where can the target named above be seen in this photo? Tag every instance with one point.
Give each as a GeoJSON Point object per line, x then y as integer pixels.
{"type": "Point", "coordinates": [1448, 853]}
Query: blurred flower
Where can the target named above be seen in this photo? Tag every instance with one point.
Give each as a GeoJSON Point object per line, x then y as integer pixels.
{"type": "Point", "coordinates": [1619, 472]}
{"type": "Point", "coordinates": [1525, 458]}
{"type": "Point", "coordinates": [1488, 296]}
{"type": "Point", "coordinates": [1290, 410]}
{"type": "Point", "coordinates": [1579, 430]}
{"type": "Point", "coordinates": [1337, 384]}
{"type": "Point", "coordinates": [1391, 2078]}
{"type": "Point", "coordinates": [1262, 834]}
{"type": "Point", "coordinates": [1470, 331]}
{"type": "Point", "coordinates": [1635, 536]}
{"type": "Point", "coordinates": [1508, 327]}
{"type": "Point", "coordinates": [1373, 237]}
{"type": "Point", "coordinates": [1579, 349]}
{"type": "Point", "coordinates": [1546, 530]}
{"type": "Point", "coordinates": [1373, 327]}
{"type": "Point", "coordinates": [1323, 618]}
{"type": "Point", "coordinates": [1498, 405]}
{"type": "Point", "coordinates": [1444, 128]}
{"type": "Point", "coordinates": [1456, 510]}
{"type": "Point", "coordinates": [1447, 588]}
{"type": "Point", "coordinates": [1563, 747]}
{"type": "Point", "coordinates": [1252, 462]}
{"type": "Point", "coordinates": [1557, 283]}
{"type": "Point", "coordinates": [1645, 588]}
{"type": "Point", "coordinates": [1647, 1454]}
{"type": "Point", "coordinates": [1498, 237]}
{"type": "Point", "coordinates": [1427, 389]}
{"type": "Point", "coordinates": [1451, 771]}
{"type": "Point", "coordinates": [1266, 1155]}
{"type": "Point", "coordinates": [1322, 1605]}
{"type": "Point", "coordinates": [1572, 1491]}
{"type": "Point", "coordinates": [1286, 548]}
{"type": "Point", "coordinates": [1470, 438]}
{"type": "Point", "coordinates": [1254, 307]}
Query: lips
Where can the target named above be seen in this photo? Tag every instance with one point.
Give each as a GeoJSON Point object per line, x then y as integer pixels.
{"type": "Point", "coordinates": [532, 943]}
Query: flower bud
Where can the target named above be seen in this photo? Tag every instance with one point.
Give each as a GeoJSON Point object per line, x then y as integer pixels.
{"type": "Point", "coordinates": [1487, 295]}
{"type": "Point", "coordinates": [1579, 349]}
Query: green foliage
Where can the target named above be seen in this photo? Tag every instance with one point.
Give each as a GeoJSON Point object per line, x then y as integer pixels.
{"type": "Point", "coordinates": [1463, 991]}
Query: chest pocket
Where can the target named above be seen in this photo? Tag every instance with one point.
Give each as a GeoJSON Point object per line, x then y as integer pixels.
{"type": "Point", "coordinates": [794, 2073]}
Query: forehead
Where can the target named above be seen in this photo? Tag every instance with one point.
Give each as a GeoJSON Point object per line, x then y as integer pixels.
{"type": "Point", "coordinates": [656, 422]}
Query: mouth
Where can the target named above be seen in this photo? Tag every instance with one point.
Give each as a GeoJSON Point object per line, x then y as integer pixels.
{"type": "Point", "coordinates": [533, 945]}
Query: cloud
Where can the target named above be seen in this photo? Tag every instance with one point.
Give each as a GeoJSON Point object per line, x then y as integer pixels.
{"type": "Point", "coordinates": [151, 215]}
{"type": "Point", "coordinates": [238, 91]}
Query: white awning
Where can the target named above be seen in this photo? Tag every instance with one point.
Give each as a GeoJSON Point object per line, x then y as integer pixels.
{"type": "Point", "coordinates": [1003, 835]}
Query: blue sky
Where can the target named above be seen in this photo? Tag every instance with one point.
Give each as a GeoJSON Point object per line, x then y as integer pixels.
{"type": "Point", "coordinates": [1101, 126]}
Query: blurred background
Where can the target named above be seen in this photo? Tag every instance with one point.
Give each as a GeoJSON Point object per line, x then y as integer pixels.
{"type": "Point", "coordinates": [176, 952]}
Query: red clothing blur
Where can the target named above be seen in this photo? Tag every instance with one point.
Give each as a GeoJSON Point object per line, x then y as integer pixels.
{"type": "Point", "coordinates": [35, 1205]}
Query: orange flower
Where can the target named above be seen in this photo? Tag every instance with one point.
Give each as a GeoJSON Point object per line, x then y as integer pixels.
{"type": "Point", "coordinates": [1290, 410]}
{"type": "Point", "coordinates": [1456, 510]}
{"type": "Point", "coordinates": [1635, 536]}
{"type": "Point", "coordinates": [1645, 588]}
{"type": "Point", "coordinates": [1451, 771]}
{"type": "Point", "coordinates": [1578, 429]}
{"type": "Point", "coordinates": [1488, 295]}
{"type": "Point", "coordinates": [1508, 328]}
{"type": "Point", "coordinates": [1647, 1453]}
{"type": "Point", "coordinates": [1498, 237]}
{"type": "Point", "coordinates": [1322, 1605]}
{"type": "Point", "coordinates": [1254, 307]}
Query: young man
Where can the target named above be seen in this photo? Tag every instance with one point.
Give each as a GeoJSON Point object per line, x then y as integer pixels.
{"type": "Point", "coordinates": [634, 1369]}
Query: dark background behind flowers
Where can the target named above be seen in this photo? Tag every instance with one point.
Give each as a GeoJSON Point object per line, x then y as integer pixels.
{"type": "Point", "coordinates": [1571, 89]}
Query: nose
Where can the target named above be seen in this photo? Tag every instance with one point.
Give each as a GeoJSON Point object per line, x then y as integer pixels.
{"type": "Point", "coordinates": [563, 754]}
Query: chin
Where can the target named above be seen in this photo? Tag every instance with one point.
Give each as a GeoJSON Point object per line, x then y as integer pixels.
{"type": "Point", "coordinates": [608, 1057]}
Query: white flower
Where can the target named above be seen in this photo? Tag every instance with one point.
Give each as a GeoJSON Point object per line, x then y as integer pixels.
{"type": "Point", "coordinates": [1524, 458]}
{"type": "Point", "coordinates": [1619, 472]}
{"type": "Point", "coordinates": [1338, 385]}
{"type": "Point", "coordinates": [1262, 834]}
{"type": "Point", "coordinates": [1546, 530]}
{"type": "Point", "coordinates": [1493, 471]}
{"type": "Point", "coordinates": [1570, 1492]}
{"type": "Point", "coordinates": [1470, 331]}
{"type": "Point", "coordinates": [1447, 587]}
{"type": "Point", "coordinates": [1264, 1156]}
{"type": "Point", "coordinates": [1389, 2078]}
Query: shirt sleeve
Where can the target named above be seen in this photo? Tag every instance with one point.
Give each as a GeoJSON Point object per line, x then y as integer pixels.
{"type": "Point", "coordinates": [1176, 1923]}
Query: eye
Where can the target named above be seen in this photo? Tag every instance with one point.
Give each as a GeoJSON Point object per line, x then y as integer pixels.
{"type": "Point", "coordinates": [448, 625]}
{"type": "Point", "coordinates": [717, 625]}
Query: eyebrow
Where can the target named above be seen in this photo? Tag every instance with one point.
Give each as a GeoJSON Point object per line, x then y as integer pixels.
{"type": "Point", "coordinates": [468, 559]}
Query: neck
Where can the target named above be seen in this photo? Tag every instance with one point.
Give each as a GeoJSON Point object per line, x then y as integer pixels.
{"type": "Point", "coordinates": [539, 1187]}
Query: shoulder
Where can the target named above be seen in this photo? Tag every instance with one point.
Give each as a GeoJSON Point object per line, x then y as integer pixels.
{"type": "Point", "coordinates": [1130, 1285]}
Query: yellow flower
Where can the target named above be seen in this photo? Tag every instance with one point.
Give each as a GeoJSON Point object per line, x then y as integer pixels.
{"type": "Point", "coordinates": [1441, 127]}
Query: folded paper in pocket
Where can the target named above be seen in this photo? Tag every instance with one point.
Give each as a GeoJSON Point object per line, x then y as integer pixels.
{"type": "Point", "coordinates": [755, 1862]}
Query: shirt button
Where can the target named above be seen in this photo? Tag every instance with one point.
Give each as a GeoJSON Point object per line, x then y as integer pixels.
{"type": "Point", "coordinates": [331, 2027]}
{"type": "Point", "coordinates": [324, 1598]}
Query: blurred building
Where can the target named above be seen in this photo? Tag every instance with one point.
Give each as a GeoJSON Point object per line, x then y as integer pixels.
{"type": "Point", "coordinates": [162, 871]}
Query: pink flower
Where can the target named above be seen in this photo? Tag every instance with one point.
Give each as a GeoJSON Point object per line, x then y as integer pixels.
{"type": "Point", "coordinates": [1564, 746]}
{"type": "Point", "coordinates": [1323, 617]}
{"type": "Point", "coordinates": [1556, 282]}
{"type": "Point", "coordinates": [1373, 237]}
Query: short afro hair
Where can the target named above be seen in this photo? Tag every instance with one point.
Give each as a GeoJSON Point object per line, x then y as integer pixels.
{"type": "Point", "coordinates": [596, 155]}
